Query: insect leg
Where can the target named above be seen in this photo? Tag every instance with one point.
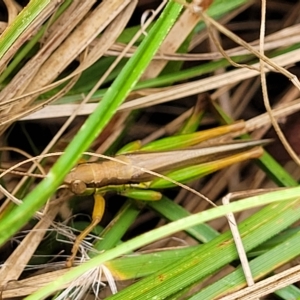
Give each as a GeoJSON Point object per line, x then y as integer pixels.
{"type": "Point", "coordinates": [98, 211]}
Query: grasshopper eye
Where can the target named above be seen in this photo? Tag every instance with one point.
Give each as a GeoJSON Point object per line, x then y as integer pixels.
{"type": "Point", "coordinates": [78, 187]}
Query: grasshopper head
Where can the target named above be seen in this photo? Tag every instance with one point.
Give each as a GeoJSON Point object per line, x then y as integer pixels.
{"type": "Point", "coordinates": [77, 187]}
{"type": "Point", "coordinates": [77, 180]}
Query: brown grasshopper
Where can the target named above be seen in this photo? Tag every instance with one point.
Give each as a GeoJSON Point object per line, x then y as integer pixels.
{"type": "Point", "coordinates": [134, 167]}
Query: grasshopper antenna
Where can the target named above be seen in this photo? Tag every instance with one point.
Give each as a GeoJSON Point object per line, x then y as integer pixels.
{"type": "Point", "coordinates": [22, 173]}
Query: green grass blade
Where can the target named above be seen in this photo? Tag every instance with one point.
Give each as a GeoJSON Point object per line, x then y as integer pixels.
{"type": "Point", "coordinates": [189, 139]}
{"type": "Point", "coordinates": [28, 47]}
{"type": "Point", "coordinates": [141, 265]}
{"type": "Point", "coordinates": [172, 212]}
{"type": "Point", "coordinates": [275, 171]}
{"type": "Point", "coordinates": [21, 23]}
{"type": "Point", "coordinates": [289, 292]}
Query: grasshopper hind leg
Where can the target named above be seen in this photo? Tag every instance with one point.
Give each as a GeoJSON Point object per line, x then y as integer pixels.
{"type": "Point", "coordinates": [98, 211]}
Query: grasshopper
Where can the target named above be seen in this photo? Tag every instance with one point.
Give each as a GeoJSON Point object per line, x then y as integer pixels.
{"type": "Point", "coordinates": [97, 175]}
{"type": "Point", "coordinates": [132, 169]}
